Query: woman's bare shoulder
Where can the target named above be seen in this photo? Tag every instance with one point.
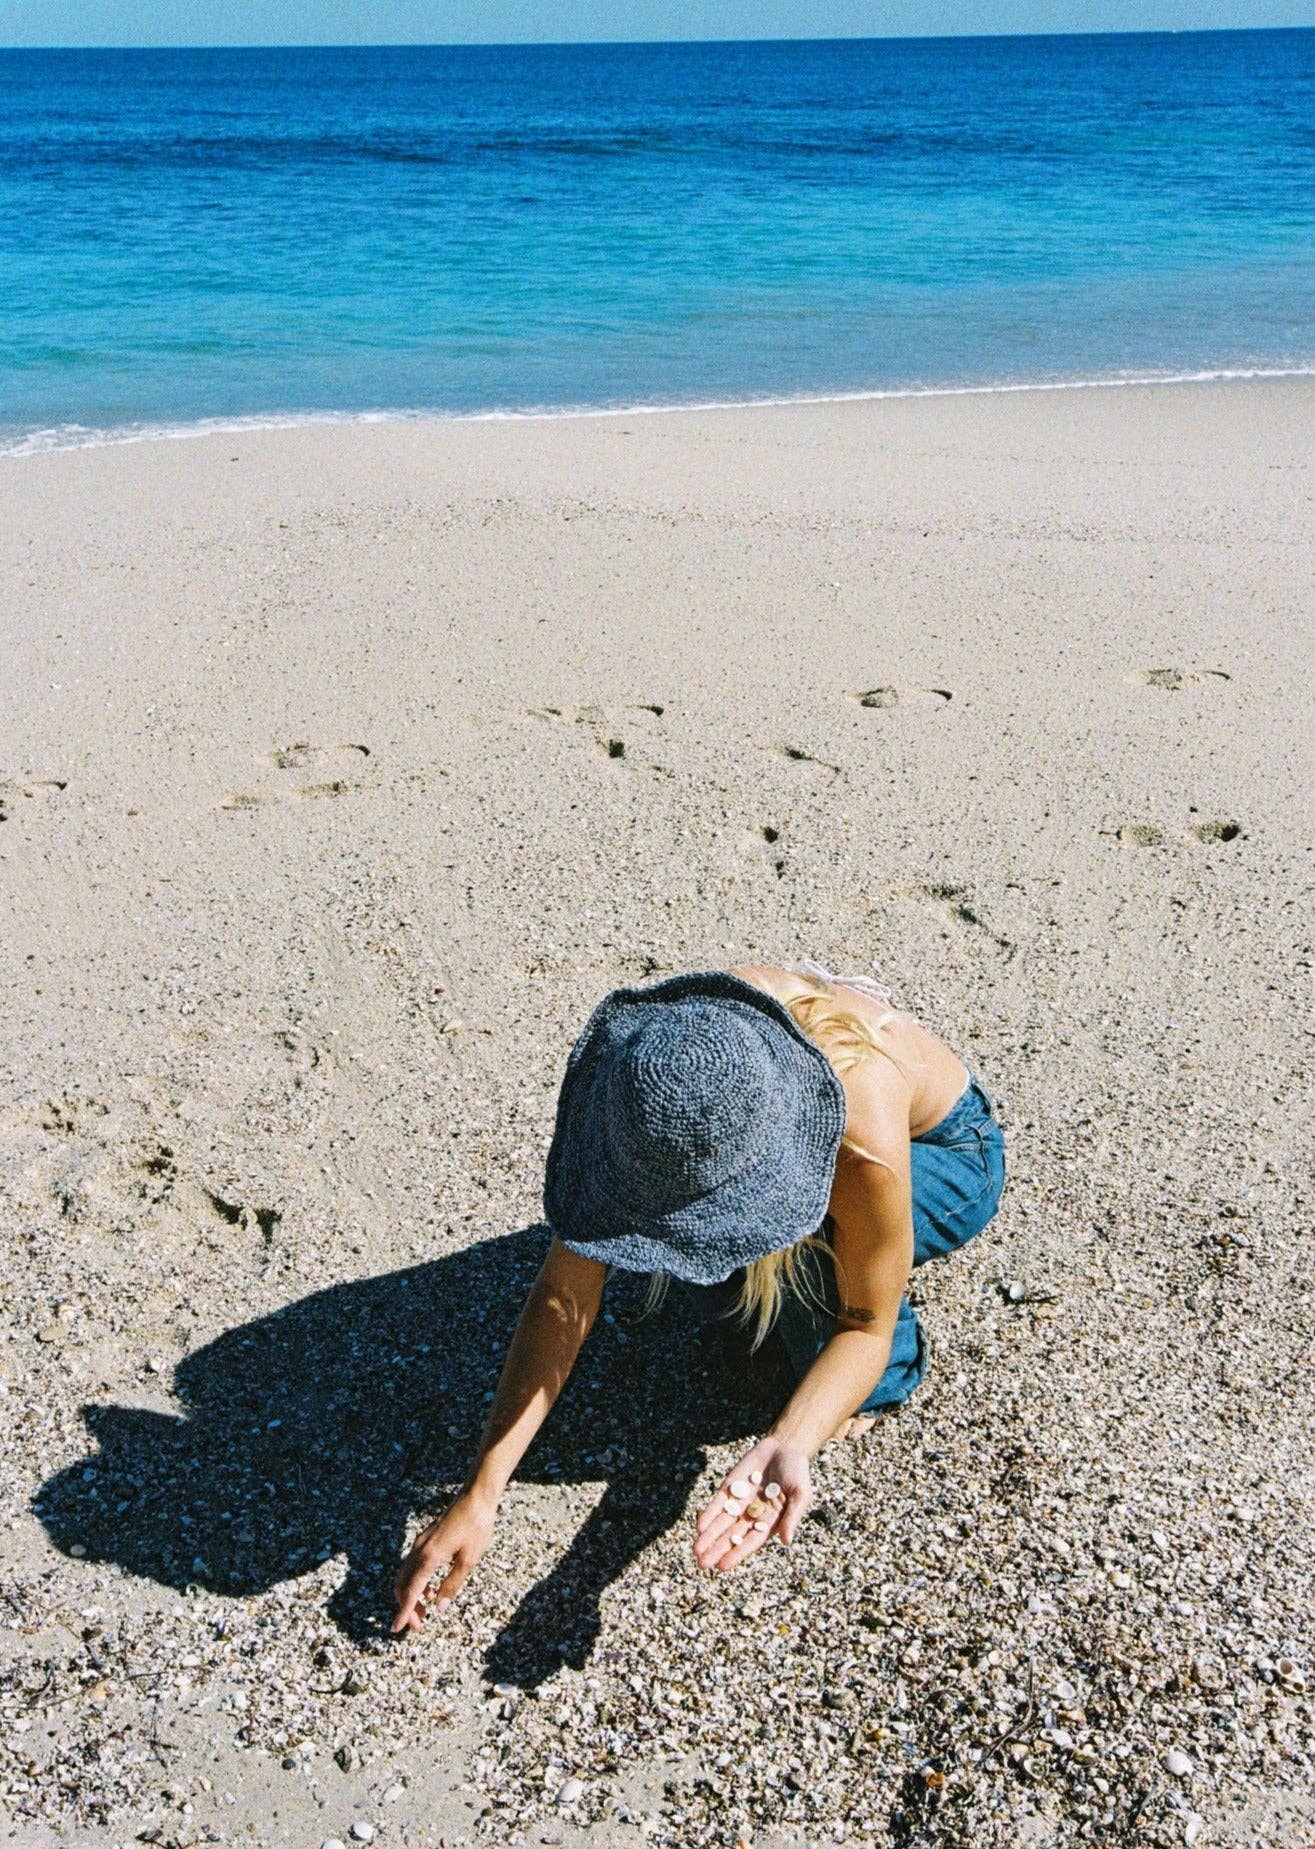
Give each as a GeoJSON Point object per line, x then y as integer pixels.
{"type": "Point", "coordinates": [765, 976]}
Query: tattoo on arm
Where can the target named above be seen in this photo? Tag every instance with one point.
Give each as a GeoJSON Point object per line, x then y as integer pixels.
{"type": "Point", "coordinates": [855, 1313]}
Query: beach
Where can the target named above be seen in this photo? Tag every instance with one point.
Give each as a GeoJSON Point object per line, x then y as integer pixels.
{"type": "Point", "coordinates": [345, 768]}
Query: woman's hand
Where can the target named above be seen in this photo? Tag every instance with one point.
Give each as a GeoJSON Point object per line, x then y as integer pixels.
{"type": "Point", "coordinates": [454, 1545]}
{"type": "Point", "coordinates": [777, 1480]}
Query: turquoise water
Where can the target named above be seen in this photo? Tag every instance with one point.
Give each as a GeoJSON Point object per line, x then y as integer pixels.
{"type": "Point", "coordinates": [265, 234]}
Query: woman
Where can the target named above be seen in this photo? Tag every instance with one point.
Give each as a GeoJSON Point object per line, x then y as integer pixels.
{"type": "Point", "coordinates": [787, 1144]}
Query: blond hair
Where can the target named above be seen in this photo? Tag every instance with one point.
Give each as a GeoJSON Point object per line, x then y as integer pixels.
{"type": "Point", "coordinates": [846, 1039]}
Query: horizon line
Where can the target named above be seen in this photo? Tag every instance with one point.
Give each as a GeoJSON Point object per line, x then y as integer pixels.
{"type": "Point", "coordinates": [828, 38]}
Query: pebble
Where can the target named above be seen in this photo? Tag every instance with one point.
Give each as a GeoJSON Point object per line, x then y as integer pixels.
{"type": "Point", "coordinates": [1193, 1827]}
{"type": "Point", "coordinates": [333, 1842]}
{"type": "Point", "coordinates": [1015, 1291]}
{"type": "Point", "coordinates": [363, 1832]}
{"type": "Point", "coordinates": [571, 1791]}
{"type": "Point", "coordinates": [1177, 1762]}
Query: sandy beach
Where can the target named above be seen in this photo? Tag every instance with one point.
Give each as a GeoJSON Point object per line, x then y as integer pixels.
{"type": "Point", "coordinates": [344, 768]}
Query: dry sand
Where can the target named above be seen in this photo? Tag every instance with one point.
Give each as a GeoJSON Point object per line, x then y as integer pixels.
{"type": "Point", "coordinates": [344, 769]}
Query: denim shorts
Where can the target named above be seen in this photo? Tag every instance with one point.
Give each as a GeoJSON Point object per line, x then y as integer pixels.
{"type": "Point", "coordinates": [958, 1169]}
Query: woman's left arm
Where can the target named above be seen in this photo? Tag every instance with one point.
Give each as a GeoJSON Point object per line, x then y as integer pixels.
{"type": "Point", "coordinates": [872, 1213]}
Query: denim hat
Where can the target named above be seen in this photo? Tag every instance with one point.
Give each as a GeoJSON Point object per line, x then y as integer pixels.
{"type": "Point", "coordinates": [697, 1128]}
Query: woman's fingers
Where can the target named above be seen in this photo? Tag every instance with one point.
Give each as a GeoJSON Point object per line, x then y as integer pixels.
{"type": "Point", "coordinates": [718, 1521]}
{"type": "Point", "coordinates": [734, 1539]}
{"type": "Point", "coordinates": [797, 1503]}
{"type": "Point", "coordinates": [739, 1547]}
{"type": "Point", "coordinates": [739, 1485]}
{"type": "Point", "coordinates": [453, 1580]}
{"type": "Point", "coordinates": [419, 1567]}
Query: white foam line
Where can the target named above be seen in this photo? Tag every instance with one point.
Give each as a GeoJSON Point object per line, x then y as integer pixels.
{"type": "Point", "coordinates": [77, 436]}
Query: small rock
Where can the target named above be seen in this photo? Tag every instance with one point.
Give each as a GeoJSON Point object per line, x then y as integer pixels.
{"type": "Point", "coordinates": [571, 1791]}
{"type": "Point", "coordinates": [78, 1551]}
{"type": "Point", "coordinates": [362, 1831]}
{"type": "Point", "coordinates": [1064, 1690]}
{"type": "Point", "coordinates": [1193, 1827]}
{"type": "Point", "coordinates": [1177, 1762]}
{"type": "Point", "coordinates": [394, 1794]}
{"type": "Point", "coordinates": [333, 1842]}
{"type": "Point", "coordinates": [348, 1759]}
{"type": "Point", "coordinates": [1015, 1291]}
{"type": "Point", "coordinates": [354, 1684]}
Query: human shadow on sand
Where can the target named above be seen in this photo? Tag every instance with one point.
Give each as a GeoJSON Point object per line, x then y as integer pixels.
{"type": "Point", "coordinates": [330, 1425]}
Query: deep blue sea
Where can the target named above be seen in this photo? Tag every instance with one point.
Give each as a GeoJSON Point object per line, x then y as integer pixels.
{"type": "Point", "coordinates": [189, 235]}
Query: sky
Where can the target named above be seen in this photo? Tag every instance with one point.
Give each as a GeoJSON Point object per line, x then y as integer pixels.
{"type": "Point", "coordinates": [434, 22]}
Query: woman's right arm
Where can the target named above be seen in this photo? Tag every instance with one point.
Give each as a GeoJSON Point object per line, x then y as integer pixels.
{"type": "Point", "coordinates": [558, 1315]}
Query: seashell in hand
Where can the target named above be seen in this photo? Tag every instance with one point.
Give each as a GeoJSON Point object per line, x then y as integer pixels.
{"type": "Point", "coordinates": [740, 1488]}
{"type": "Point", "coordinates": [755, 1477]}
{"type": "Point", "coordinates": [732, 1507]}
{"type": "Point", "coordinates": [772, 1491]}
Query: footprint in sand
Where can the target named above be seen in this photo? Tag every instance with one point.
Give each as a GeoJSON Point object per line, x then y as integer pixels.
{"type": "Point", "coordinates": [1140, 834]}
{"type": "Point", "coordinates": [305, 756]}
{"type": "Point", "coordinates": [882, 699]}
{"type": "Point", "coordinates": [764, 840]}
{"type": "Point", "coordinates": [958, 907]}
{"type": "Point", "coordinates": [795, 755]}
{"type": "Point", "coordinates": [104, 1167]}
{"type": "Point", "coordinates": [1150, 834]}
{"type": "Point", "coordinates": [608, 725]}
{"type": "Point", "coordinates": [1173, 679]}
{"type": "Point", "coordinates": [15, 790]}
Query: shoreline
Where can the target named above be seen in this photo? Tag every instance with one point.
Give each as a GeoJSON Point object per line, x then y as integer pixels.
{"type": "Point", "coordinates": [60, 439]}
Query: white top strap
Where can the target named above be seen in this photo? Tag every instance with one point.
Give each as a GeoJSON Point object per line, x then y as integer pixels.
{"type": "Point", "coordinates": [866, 985]}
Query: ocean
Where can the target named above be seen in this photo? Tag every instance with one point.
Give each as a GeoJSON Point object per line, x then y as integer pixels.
{"type": "Point", "coordinates": [262, 235]}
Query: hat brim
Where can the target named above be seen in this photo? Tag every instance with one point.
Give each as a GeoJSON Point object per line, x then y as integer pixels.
{"type": "Point", "coordinates": [770, 1205]}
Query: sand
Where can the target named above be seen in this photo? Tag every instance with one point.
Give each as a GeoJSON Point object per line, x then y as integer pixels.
{"type": "Point", "coordinates": [344, 769]}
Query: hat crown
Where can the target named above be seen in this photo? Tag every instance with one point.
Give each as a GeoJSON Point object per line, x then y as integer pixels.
{"type": "Point", "coordinates": [697, 1129]}
{"type": "Point", "coordinates": [689, 1096]}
